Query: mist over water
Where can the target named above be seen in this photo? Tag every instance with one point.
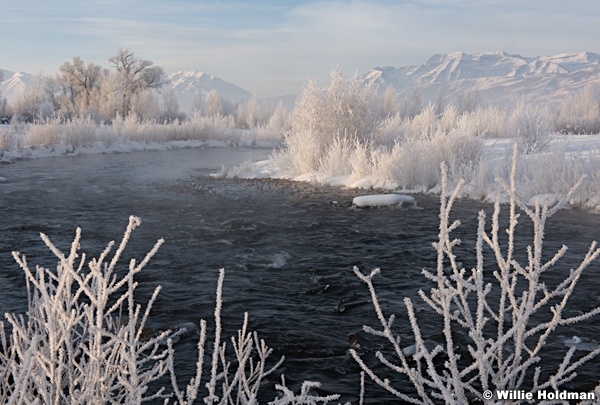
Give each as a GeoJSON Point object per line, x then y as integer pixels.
{"type": "Point", "coordinates": [288, 250]}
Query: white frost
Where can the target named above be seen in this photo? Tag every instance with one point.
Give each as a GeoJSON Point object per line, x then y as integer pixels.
{"type": "Point", "coordinates": [547, 199]}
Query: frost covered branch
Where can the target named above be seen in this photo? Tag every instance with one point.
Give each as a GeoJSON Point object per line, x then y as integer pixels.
{"type": "Point", "coordinates": [84, 340]}
{"type": "Point", "coordinates": [499, 307]}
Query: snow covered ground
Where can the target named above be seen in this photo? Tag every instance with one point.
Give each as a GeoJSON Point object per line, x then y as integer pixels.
{"type": "Point", "coordinates": [98, 147]}
{"type": "Point", "coordinates": [545, 176]}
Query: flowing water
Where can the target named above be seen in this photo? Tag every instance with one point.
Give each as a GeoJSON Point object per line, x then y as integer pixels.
{"type": "Point", "coordinates": [288, 250]}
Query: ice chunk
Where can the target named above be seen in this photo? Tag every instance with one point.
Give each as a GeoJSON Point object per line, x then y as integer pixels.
{"type": "Point", "coordinates": [573, 341]}
{"type": "Point", "coordinates": [379, 200]}
{"type": "Point", "coordinates": [182, 330]}
{"type": "Point", "coordinates": [579, 344]}
{"type": "Point", "coordinates": [430, 345]}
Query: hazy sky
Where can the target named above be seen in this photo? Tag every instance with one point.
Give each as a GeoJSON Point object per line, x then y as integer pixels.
{"type": "Point", "coordinates": [272, 47]}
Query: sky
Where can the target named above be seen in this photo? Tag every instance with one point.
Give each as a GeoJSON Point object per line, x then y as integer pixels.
{"type": "Point", "coordinates": [273, 47]}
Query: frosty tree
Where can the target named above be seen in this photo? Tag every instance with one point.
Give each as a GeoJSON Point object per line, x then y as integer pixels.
{"type": "Point", "coordinates": [136, 75]}
{"type": "Point", "coordinates": [78, 81]}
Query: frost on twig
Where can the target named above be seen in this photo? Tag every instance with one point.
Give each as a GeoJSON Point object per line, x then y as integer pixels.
{"type": "Point", "coordinates": [75, 345]}
{"type": "Point", "coordinates": [499, 306]}
{"type": "Point", "coordinates": [84, 340]}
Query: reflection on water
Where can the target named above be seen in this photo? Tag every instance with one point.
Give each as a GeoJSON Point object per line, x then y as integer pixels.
{"type": "Point", "coordinates": [288, 251]}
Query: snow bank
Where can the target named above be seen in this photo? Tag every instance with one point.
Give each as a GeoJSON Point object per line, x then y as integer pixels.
{"type": "Point", "coordinates": [99, 147]}
{"type": "Point", "coordinates": [545, 177]}
{"type": "Point", "coordinates": [380, 200]}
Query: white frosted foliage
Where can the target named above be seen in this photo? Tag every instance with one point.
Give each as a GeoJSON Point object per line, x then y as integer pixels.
{"type": "Point", "coordinates": [83, 340]}
{"type": "Point", "coordinates": [504, 337]}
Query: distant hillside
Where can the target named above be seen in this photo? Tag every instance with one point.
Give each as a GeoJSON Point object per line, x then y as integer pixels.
{"type": "Point", "coordinates": [14, 84]}
{"type": "Point", "coordinates": [191, 85]}
{"type": "Point", "coordinates": [493, 77]}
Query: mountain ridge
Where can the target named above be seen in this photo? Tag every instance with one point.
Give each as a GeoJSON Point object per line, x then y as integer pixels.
{"type": "Point", "coordinates": [498, 77]}
{"type": "Point", "coordinates": [14, 84]}
{"type": "Point", "coordinates": [190, 86]}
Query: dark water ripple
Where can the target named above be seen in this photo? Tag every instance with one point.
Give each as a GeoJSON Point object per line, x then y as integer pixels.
{"type": "Point", "coordinates": [288, 250]}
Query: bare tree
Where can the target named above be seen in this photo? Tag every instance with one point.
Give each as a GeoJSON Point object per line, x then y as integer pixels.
{"type": "Point", "coordinates": [390, 103]}
{"type": "Point", "coordinates": [170, 110]}
{"type": "Point", "coordinates": [213, 106]}
{"type": "Point", "coordinates": [79, 80]}
{"type": "Point", "coordinates": [412, 104]}
{"type": "Point", "coordinates": [467, 101]}
{"type": "Point", "coordinates": [28, 105]}
{"type": "Point", "coordinates": [136, 75]}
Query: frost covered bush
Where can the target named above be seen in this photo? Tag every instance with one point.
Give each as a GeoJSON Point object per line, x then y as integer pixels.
{"type": "Point", "coordinates": [416, 160]}
{"type": "Point", "coordinates": [345, 107]}
{"type": "Point", "coordinates": [580, 114]}
{"type": "Point", "coordinates": [275, 127]}
{"type": "Point", "coordinates": [8, 139]}
{"type": "Point", "coordinates": [84, 340]}
{"type": "Point", "coordinates": [555, 173]}
{"type": "Point", "coordinates": [506, 310]}
{"type": "Point", "coordinates": [344, 110]}
{"type": "Point", "coordinates": [53, 131]}
{"type": "Point", "coordinates": [75, 132]}
{"type": "Point", "coordinates": [47, 133]}
{"type": "Point", "coordinates": [79, 132]}
{"type": "Point", "coordinates": [532, 127]}
{"type": "Point", "coordinates": [488, 122]}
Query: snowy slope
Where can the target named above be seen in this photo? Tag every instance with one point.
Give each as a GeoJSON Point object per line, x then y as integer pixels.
{"type": "Point", "coordinates": [190, 85]}
{"type": "Point", "coordinates": [14, 84]}
{"type": "Point", "coordinates": [494, 77]}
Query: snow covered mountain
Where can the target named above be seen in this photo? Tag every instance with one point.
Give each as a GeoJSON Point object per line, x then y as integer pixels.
{"type": "Point", "coordinates": [495, 78]}
{"type": "Point", "coordinates": [14, 84]}
{"type": "Point", "coordinates": [190, 86]}
{"type": "Point", "coordinates": [490, 77]}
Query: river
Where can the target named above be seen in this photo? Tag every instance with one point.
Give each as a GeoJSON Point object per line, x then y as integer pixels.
{"type": "Point", "coordinates": [288, 250]}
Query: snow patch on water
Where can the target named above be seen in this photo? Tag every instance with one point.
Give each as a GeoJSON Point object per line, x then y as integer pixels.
{"type": "Point", "coordinates": [380, 200]}
{"type": "Point", "coordinates": [580, 344]}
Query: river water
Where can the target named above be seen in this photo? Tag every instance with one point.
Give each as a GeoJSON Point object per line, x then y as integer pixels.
{"type": "Point", "coordinates": [288, 250]}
